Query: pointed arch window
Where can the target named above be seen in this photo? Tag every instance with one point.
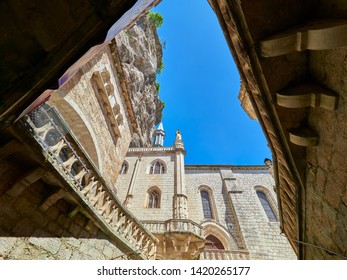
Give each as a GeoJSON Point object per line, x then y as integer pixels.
{"type": "Point", "coordinates": [153, 198]}
{"type": "Point", "coordinates": [157, 167]}
{"type": "Point", "coordinates": [266, 206]}
{"type": "Point", "coordinates": [124, 168]}
{"type": "Point", "coordinates": [206, 204]}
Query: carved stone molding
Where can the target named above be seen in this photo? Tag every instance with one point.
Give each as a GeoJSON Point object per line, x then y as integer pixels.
{"type": "Point", "coordinates": [317, 35]}
{"type": "Point", "coordinates": [178, 238]}
{"type": "Point", "coordinates": [303, 137]}
{"type": "Point", "coordinates": [305, 95]}
{"type": "Point", "coordinates": [104, 92]}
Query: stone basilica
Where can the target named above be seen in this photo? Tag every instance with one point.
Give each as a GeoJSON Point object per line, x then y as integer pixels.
{"type": "Point", "coordinates": [201, 211]}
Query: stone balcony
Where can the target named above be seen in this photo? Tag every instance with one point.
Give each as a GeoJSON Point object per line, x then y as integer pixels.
{"type": "Point", "coordinates": [174, 225]}
{"type": "Point", "coordinates": [82, 180]}
{"type": "Point", "coordinates": [178, 238]}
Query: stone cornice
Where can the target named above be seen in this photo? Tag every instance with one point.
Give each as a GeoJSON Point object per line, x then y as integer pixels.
{"type": "Point", "coordinates": [151, 150]}
{"type": "Point", "coordinates": [224, 166]}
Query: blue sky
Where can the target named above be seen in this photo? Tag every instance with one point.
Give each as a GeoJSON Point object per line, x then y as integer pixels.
{"type": "Point", "coordinates": [200, 85]}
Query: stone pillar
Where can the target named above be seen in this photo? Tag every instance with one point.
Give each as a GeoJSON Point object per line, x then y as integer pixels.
{"type": "Point", "coordinates": [180, 196]}
{"type": "Point", "coordinates": [129, 196]}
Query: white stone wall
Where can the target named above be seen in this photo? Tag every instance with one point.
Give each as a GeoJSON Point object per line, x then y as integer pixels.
{"type": "Point", "coordinates": [262, 237]}
{"type": "Point", "coordinates": [143, 181]}
{"type": "Point", "coordinates": [234, 200]}
{"type": "Point", "coordinates": [212, 179]}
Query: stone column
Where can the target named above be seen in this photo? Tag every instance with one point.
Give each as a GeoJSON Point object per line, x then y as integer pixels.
{"type": "Point", "coordinates": [180, 196]}
{"type": "Point", "coordinates": [129, 196]}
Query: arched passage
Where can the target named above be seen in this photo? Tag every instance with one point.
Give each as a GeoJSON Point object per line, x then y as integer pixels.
{"type": "Point", "coordinates": [80, 127]}
{"type": "Point", "coordinates": [219, 244]}
{"type": "Point", "coordinates": [213, 242]}
{"type": "Point", "coordinates": [219, 232]}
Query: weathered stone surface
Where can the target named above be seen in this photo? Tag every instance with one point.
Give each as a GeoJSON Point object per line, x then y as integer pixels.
{"type": "Point", "coordinates": [6, 244]}
{"type": "Point", "coordinates": [108, 252]}
{"type": "Point", "coordinates": [43, 239]}
{"type": "Point", "coordinates": [141, 55]}
{"type": "Point", "coordinates": [74, 242]}
{"type": "Point", "coordinates": [27, 233]}
{"type": "Point", "coordinates": [64, 254]}
{"type": "Point", "coordinates": [326, 205]}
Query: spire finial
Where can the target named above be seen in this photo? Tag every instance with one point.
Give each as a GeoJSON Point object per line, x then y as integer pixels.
{"type": "Point", "coordinates": [159, 136]}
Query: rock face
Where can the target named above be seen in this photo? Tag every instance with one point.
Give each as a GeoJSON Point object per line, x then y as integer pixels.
{"type": "Point", "coordinates": [140, 51]}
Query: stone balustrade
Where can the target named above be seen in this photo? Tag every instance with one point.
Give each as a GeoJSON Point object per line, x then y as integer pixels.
{"type": "Point", "coordinates": [69, 159]}
{"type": "Point", "coordinates": [218, 254]}
{"type": "Point", "coordinates": [174, 225]}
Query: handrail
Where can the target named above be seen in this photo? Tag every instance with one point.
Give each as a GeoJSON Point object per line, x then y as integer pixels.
{"type": "Point", "coordinates": [174, 225]}
{"type": "Point", "coordinates": [85, 180]}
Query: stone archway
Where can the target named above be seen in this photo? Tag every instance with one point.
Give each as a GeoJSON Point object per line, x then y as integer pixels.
{"type": "Point", "coordinates": [219, 232]}
{"type": "Point", "coordinates": [80, 127]}
{"type": "Point", "coordinates": [213, 242]}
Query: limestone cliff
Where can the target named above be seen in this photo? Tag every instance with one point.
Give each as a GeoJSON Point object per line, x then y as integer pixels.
{"type": "Point", "coordinates": [140, 51]}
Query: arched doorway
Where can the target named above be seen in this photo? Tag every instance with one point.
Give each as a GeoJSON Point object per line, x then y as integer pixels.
{"type": "Point", "coordinates": [213, 243]}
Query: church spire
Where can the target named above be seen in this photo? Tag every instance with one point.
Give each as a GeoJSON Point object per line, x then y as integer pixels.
{"type": "Point", "coordinates": [159, 136]}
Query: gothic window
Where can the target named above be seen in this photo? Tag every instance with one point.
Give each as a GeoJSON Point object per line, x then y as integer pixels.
{"type": "Point", "coordinates": [153, 198]}
{"type": "Point", "coordinates": [157, 167]}
{"type": "Point", "coordinates": [266, 206]}
{"type": "Point", "coordinates": [124, 168]}
{"type": "Point", "coordinates": [206, 205]}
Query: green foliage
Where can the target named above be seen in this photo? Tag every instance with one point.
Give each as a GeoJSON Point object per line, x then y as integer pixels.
{"type": "Point", "coordinates": [157, 18]}
{"type": "Point", "coordinates": [158, 87]}
{"type": "Point", "coordinates": [160, 68]}
{"type": "Point", "coordinates": [161, 105]}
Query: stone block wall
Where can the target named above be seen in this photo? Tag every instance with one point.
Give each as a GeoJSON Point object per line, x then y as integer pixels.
{"type": "Point", "coordinates": [144, 181]}
{"type": "Point", "coordinates": [262, 238]}
{"type": "Point", "coordinates": [238, 212]}
{"type": "Point", "coordinates": [212, 179]}
{"type": "Point", "coordinates": [27, 232]}
{"type": "Point", "coordinates": [325, 224]}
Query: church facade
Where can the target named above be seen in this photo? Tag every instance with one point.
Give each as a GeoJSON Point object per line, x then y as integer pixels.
{"type": "Point", "coordinates": [201, 211]}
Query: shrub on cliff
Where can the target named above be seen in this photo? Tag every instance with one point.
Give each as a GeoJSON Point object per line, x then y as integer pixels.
{"type": "Point", "coordinates": [156, 18]}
